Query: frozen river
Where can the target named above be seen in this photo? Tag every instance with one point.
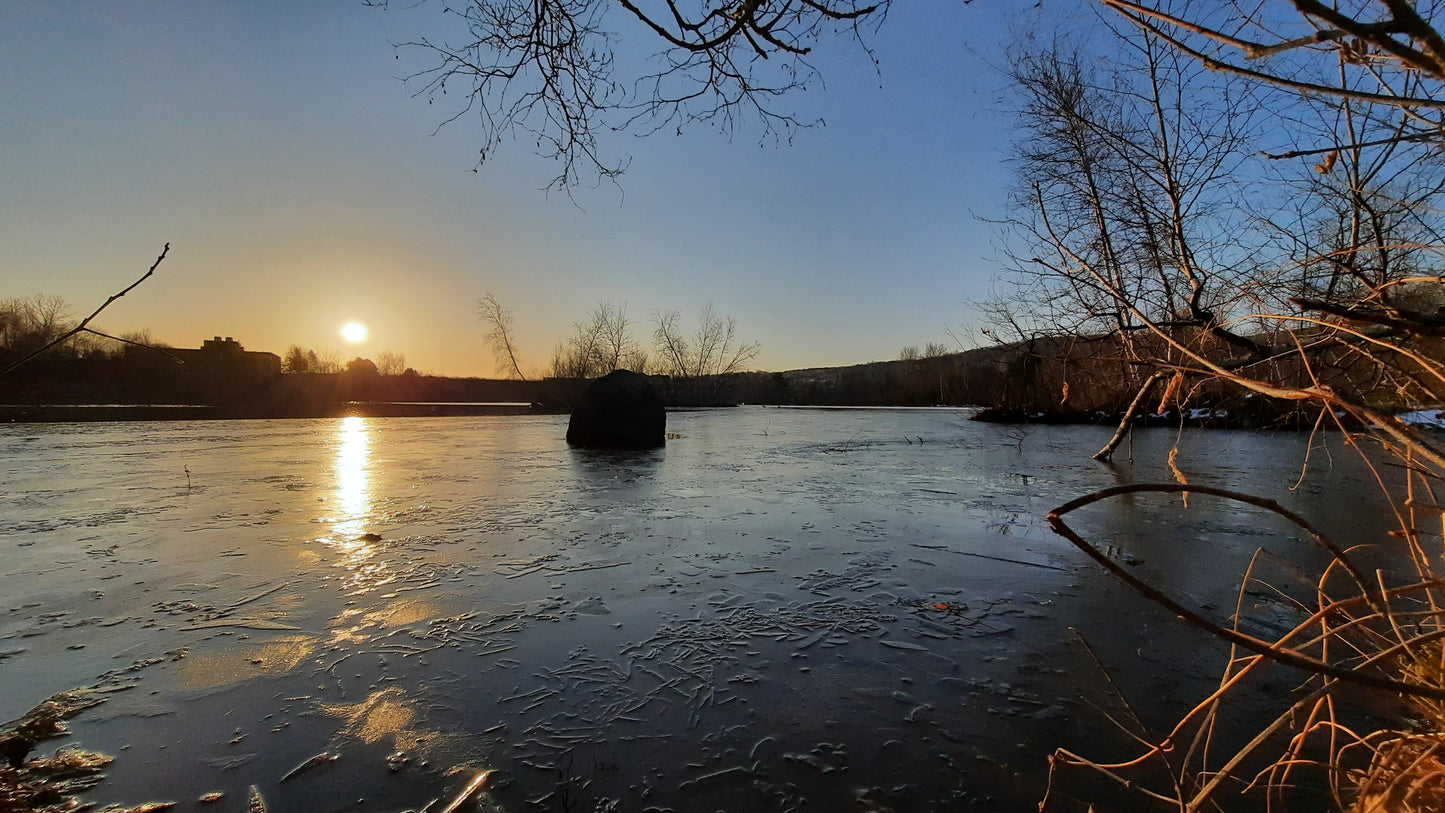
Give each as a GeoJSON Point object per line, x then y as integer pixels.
{"type": "Point", "coordinates": [857, 609]}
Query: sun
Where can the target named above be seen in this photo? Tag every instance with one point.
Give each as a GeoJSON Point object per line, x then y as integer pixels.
{"type": "Point", "coordinates": [353, 331]}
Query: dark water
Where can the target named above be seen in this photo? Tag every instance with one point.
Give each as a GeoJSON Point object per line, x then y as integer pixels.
{"type": "Point", "coordinates": [784, 609]}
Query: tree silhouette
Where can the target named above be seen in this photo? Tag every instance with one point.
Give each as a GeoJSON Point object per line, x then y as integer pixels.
{"type": "Point", "coordinates": [712, 349]}
{"type": "Point", "coordinates": [499, 334]}
{"type": "Point", "coordinates": [362, 367]}
{"type": "Point", "coordinates": [297, 359]}
{"type": "Point", "coordinates": [389, 363]}
{"type": "Point", "coordinates": [549, 70]}
{"type": "Point", "coordinates": [601, 343]}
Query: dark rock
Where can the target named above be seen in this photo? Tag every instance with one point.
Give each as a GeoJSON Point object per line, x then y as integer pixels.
{"type": "Point", "coordinates": [620, 410]}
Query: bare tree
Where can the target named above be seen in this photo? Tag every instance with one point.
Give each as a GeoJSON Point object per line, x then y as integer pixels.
{"type": "Point", "coordinates": [910, 353]}
{"type": "Point", "coordinates": [582, 354]}
{"type": "Point", "coordinates": [599, 344]}
{"type": "Point", "coordinates": [389, 363]}
{"type": "Point", "coordinates": [670, 343]}
{"type": "Point", "coordinates": [614, 335]}
{"type": "Point", "coordinates": [27, 323]}
{"type": "Point", "coordinates": [325, 361]}
{"type": "Point", "coordinates": [1126, 176]}
{"type": "Point", "coordinates": [712, 349]}
{"type": "Point", "coordinates": [500, 328]}
{"type": "Point", "coordinates": [560, 365]}
{"type": "Point", "coordinates": [549, 69]}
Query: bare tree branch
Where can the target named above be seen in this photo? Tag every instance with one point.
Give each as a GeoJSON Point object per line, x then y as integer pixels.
{"type": "Point", "coordinates": [550, 70]}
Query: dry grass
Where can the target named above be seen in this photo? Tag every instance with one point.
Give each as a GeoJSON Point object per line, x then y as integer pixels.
{"type": "Point", "coordinates": [1406, 771]}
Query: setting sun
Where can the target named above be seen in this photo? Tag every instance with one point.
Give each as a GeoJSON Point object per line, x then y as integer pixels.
{"type": "Point", "coordinates": [353, 331]}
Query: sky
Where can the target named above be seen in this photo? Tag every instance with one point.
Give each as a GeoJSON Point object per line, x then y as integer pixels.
{"type": "Point", "coordinates": [302, 184]}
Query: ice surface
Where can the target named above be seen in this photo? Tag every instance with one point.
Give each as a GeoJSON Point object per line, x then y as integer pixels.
{"type": "Point", "coordinates": [838, 607]}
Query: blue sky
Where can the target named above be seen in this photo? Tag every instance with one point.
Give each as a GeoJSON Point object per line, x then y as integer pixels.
{"type": "Point", "coordinates": [302, 185]}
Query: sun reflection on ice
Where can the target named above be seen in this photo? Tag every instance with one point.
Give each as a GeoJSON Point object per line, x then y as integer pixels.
{"type": "Point", "coordinates": [370, 565]}
{"type": "Point", "coordinates": [353, 476]}
{"type": "Point", "coordinates": [352, 509]}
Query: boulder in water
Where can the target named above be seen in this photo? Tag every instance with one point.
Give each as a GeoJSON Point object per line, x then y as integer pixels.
{"type": "Point", "coordinates": [620, 410]}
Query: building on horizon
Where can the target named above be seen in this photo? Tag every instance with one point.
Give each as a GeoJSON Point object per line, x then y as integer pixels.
{"type": "Point", "coordinates": [227, 357]}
